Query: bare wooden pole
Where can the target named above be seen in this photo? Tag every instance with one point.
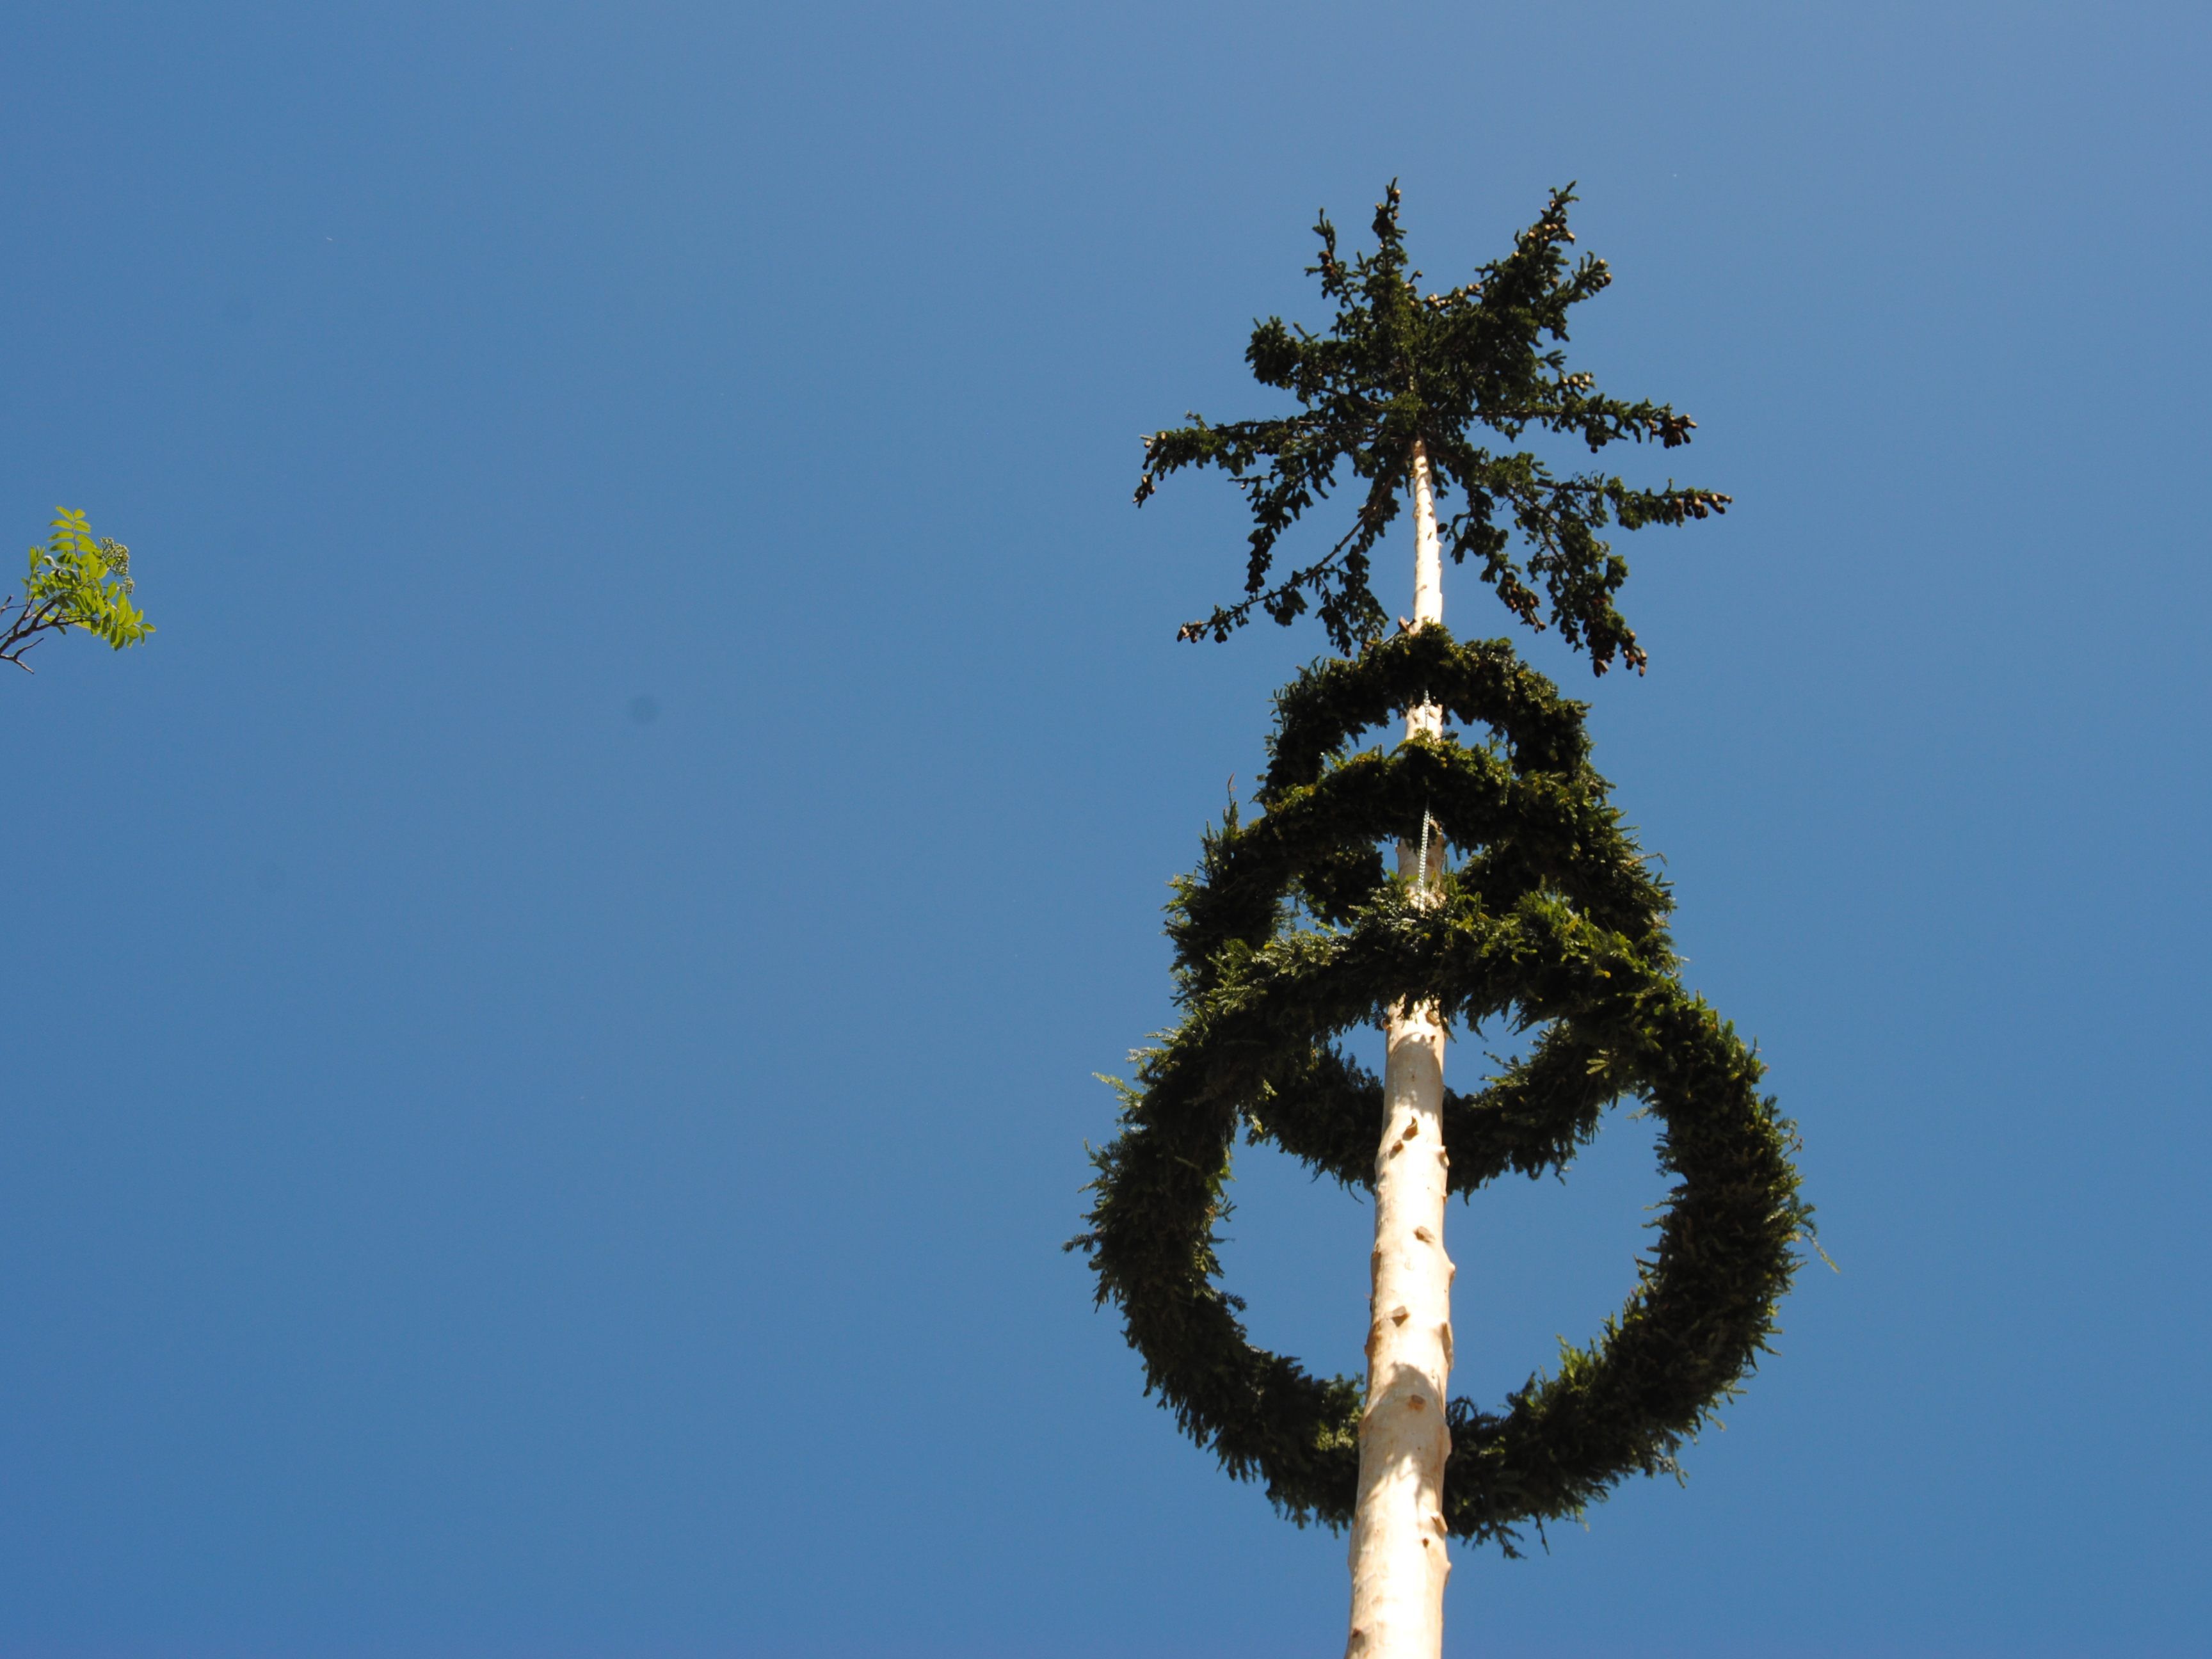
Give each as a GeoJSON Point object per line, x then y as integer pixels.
{"type": "Point", "coordinates": [1398, 1541]}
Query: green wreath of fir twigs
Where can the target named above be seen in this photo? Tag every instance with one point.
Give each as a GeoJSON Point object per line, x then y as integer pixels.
{"type": "Point", "coordinates": [1289, 932]}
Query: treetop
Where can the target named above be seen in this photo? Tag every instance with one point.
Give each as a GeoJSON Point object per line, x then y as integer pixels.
{"type": "Point", "coordinates": [1399, 368]}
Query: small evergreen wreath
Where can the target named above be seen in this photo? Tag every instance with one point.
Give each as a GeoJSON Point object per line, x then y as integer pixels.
{"type": "Point", "coordinates": [1289, 932]}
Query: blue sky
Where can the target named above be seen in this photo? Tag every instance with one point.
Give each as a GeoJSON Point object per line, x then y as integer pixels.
{"type": "Point", "coordinates": [552, 1008]}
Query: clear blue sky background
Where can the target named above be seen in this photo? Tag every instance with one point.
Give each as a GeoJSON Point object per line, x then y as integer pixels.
{"type": "Point", "coordinates": [550, 1012]}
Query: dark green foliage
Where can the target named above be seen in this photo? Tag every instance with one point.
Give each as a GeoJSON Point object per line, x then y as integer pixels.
{"type": "Point", "coordinates": [1398, 366]}
{"type": "Point", "coordinates": [1289, 933]}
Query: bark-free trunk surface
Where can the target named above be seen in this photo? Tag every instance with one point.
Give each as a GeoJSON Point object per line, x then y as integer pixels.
{"type": "Point", "coordinates": [1398, 1541]}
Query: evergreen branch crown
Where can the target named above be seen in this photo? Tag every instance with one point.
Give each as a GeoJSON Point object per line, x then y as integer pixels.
{"type": "Point", "coordinates": [1398, 367]}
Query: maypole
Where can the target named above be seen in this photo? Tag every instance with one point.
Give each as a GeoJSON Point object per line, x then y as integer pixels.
{"type": "Point", "coordinates": [1398, 1529]}
{"type": "Point", "coordinates": [1290, 932]}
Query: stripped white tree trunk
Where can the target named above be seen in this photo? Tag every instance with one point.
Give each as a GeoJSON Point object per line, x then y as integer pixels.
{"type": "Point", "coordinates": [1398, 1541]}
